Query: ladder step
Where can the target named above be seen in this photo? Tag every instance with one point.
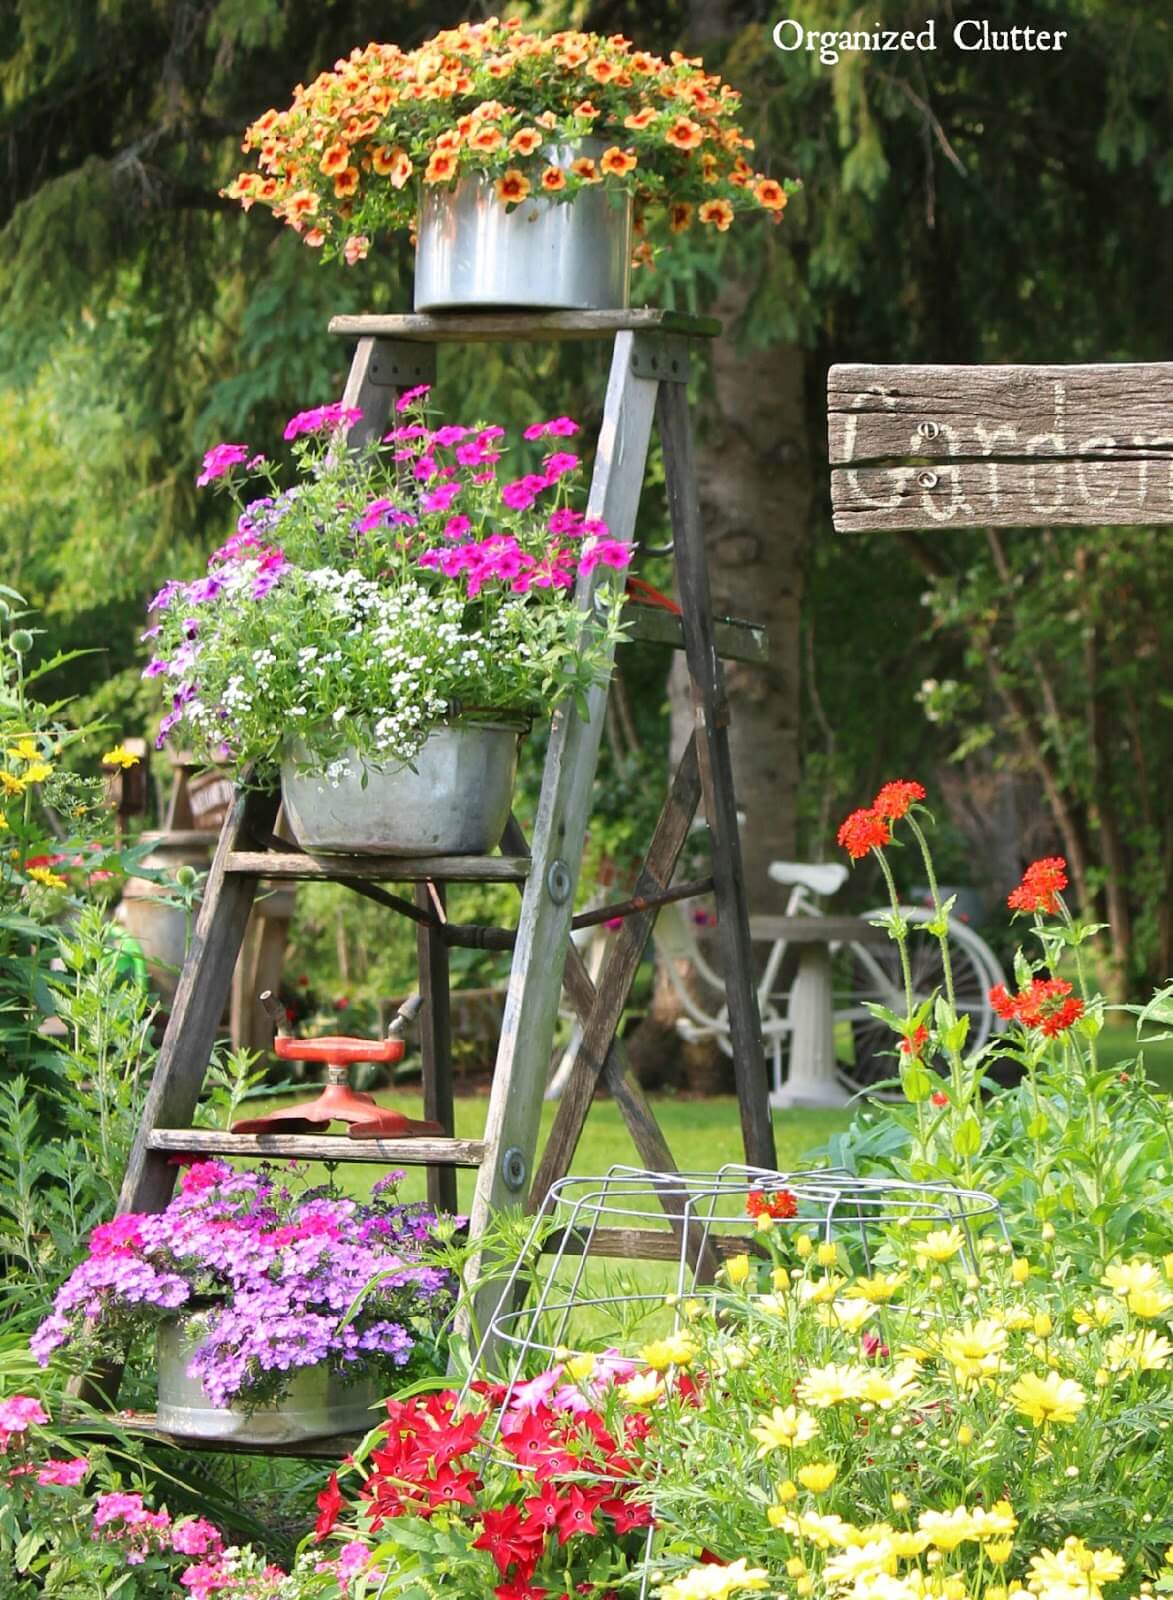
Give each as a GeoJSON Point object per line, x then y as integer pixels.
{"type": "Point", "coordinates": [647, 1244]}
{"type": "Point", "coordinates": [736, 639]}
{"type": "Point", "coordinates": [379, 869]}
{"type": "Point", "coordinates": [423, 1152]}
{"type": "Point", "coordinates": [332, 1447]}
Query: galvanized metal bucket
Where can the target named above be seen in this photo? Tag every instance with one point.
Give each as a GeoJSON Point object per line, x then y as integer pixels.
{"type": "Point", "coordinates": [543, 254]}
{"type": "Point", "coordinates": [453, 800]}
{"type": "Point", "coordinates": [317, 1406]}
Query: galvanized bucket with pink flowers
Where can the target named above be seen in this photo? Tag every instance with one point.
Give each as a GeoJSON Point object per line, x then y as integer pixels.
{"type": "Point", "coordinates": [381, 632]}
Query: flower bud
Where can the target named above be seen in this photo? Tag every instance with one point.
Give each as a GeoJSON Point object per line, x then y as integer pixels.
{"type": "Point", "coordinates": [21, 641]}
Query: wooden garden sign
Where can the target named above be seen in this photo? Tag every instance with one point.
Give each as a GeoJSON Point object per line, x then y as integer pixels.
{"type": "Point", "coordinates": [962, 447]}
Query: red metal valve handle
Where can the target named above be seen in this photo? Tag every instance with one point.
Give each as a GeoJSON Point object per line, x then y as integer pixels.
{"type": "Point", "coordinates": [338, 1102]}
{"type": "Point", "coordinates": [338, 1050]}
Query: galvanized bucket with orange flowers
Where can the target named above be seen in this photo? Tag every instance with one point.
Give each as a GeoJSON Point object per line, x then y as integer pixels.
{"type": "Point", "coordinates": [523, 164]}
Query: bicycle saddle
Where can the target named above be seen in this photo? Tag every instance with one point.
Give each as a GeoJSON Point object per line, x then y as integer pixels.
{"type": "Point", "coordinates": [822, 877]}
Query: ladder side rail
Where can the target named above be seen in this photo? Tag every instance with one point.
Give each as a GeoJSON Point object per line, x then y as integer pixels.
{"type": "Point", "coordinates": [614, 985]}
{"type": "Point", "coordinates": [711, 715]}
{"type": "Point", "coordinates": [203, 990]}
{"type": "Point", "coordinates": [535, 981]}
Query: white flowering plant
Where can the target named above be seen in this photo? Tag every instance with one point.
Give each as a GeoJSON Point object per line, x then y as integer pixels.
{"type": "Point", "coordinates": [389, 590]}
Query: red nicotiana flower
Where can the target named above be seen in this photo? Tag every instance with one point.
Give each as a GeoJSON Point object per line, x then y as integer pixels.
{"type": "Point", "coordinates": [1045, 1003]}
{"type": "Point", "coordinates": [864, 831]}
{"type": "Point", "coordinates": [894, 799]}
{"type": "Point", "coordinates": [1042, 883]}
{"type": "Point", "coordinates": [330, 1503]}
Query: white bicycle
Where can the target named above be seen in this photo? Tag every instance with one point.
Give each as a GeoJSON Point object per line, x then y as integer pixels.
{"type": "Point", "coordinates": [861, 973]}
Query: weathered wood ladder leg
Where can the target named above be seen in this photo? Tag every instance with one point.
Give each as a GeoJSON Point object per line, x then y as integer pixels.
{"type": "Point", "coordinates": [647, 372]}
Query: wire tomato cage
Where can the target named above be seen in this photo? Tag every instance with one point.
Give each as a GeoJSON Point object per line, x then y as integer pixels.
{"type": "Point", "coordinates": [690, 1223]}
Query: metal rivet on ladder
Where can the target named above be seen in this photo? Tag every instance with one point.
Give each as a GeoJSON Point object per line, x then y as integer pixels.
{"type": "Point", "coordinates": [927, 480]}
{"type": "Point", "coordinates": [928, 430]}
{"type": "Point", "coordinates": [514, 1169]}
{"type": "Point", "coordinates": [558, 882]}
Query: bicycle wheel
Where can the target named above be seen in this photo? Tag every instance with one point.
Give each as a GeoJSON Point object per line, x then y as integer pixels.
{"type": "Point", "coordinates": [875, 975]}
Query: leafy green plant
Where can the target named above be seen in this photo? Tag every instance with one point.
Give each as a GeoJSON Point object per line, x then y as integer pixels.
{"type": "Point", "coordinates": [1074, 1144]}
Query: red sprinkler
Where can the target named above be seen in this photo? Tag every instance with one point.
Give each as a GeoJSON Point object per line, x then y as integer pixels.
{"type": "Point", "coordinates": [338, 1102]}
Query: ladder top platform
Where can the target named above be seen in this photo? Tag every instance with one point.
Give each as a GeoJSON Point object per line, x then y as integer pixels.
{"type": "Point", "coordinates": [484, 327]}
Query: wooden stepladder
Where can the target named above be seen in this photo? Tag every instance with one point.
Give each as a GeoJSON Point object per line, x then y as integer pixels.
{"type": "Point", "coordinates": [647, 384]}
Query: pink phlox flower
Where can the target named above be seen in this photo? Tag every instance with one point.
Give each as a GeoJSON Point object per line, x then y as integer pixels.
{"type": "Point", "coordinates": [483, 477]}
{"type": "Point", "coordinates": [556, 571]}
{"type": "Point", "coordinates": [221, 458]}
{"type": "Point", "coordinates": [440, 499]}
{"type": "Point", "coordinates": [196, 1537]}
{"type": "Point", "coordinates": [594, 528]}
{"type": "Point", "coordinates": [399, 435]}
{"type": "Point", "coordinates": [557, 427]}
{"type": "Point", "coordinates": [352, 1560]}
{"type": "Point", "coordinates": [426, 467]}
{"type": "Point", "coordinates": [410, 396]}
{"type": "Point", "coordinates": [564, 521]}
{"type": "Point", "coordinates": [127, 1508]}
{"type": "Point", "coordinates": [430, 559]}
{"type": "Point", "coordinates": [204, 1175]}
{"type": "Point", "coordinates": [205, 1579]}
{"type": "Point", "coordinates": [68, 1474]}
{"type": "Point", "coordinates": [374, 515]}
{"type": "Point", "coordinates": [321, 419]}
{"type": "Point", "coordinates": [522, 492]}
{"type": "Point", "coordinates": [118, 1236]}
{"type": "Point", "coordinates": [559, 464]}
{"type": "Point", "coordinates": [254, 463]}
{"type": "Point", "coordinates": [456, 527]}
{"type": "Point", "coordinates": [450, 434]}
{"type": "Point", "coordinates": [17, 1414]}
{"type": "Point", "coordinates": [529, 1397]}
{"type": "Point", "coordinates": [605, 553]}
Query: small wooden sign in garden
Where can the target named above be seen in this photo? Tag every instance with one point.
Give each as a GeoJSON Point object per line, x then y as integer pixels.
{"type": "Point", "coordinates": [960, 447]}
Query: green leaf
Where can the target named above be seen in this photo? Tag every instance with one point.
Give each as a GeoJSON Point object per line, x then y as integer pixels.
{"type": "Point", "coordinates": [967, 1138]}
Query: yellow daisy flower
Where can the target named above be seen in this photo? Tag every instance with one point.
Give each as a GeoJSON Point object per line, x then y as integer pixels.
{"type": "Point", "coordinates": [25, 749]}
{"type": "Point", "coordinates": [940, 1245]}
{"type": "Point", "coordinates": [1047, 1398]}
{"type": "Point", "coordinates": [784, 1429]}
{"type": "Point", "coordinates": [818, 1476]}
{"type": "Point", "coordinates": [51, 880]}
{"type": "Point", "coordinates": [11, 784]}
{"type": "Point", "coordinates": [120, 756]}
{"type": "Point", "coordinates": [37, 772]}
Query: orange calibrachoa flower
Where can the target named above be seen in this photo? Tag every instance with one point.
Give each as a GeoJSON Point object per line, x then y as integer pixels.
{"type": "Point", "coordinates": [357, 134]}
{"type": "Point", "coordinates": [441, 167]}
{"type": "Point", "coordinates": [717, 214]}
{"type": "Point", "coordinates": [684, 134]}
{"type": "Point", "coordinates": [512, 186]}
{"type": "Point", "coordinates": [769, 193]}
{"type": "Point", "coordinates": [618, 162]}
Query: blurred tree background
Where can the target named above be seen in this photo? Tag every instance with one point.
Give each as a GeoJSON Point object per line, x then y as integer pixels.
{"type": "Point", "coordinates": [956, 208]}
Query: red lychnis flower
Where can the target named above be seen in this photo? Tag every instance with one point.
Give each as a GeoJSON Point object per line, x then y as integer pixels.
{"type": "Point", "coordinates": [915, 1043]}
{"type": "Point", "coordinates": [1042, 882]}
{"type": "Point", "coordinates": [864, 831]}
{"type": "Point", "coordinates": [780, 1206]}
{"type": "Point", "coordinates": [894, 799]}
{"type": "Point", "coordinates": [1045, 1003]}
